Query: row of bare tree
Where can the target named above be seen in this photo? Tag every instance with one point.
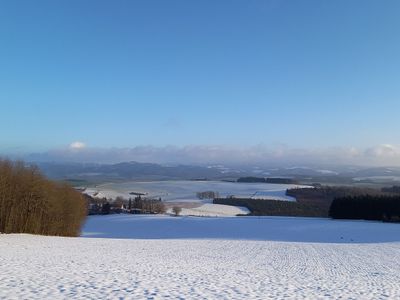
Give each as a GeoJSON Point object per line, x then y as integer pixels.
{"type": "Point", "coordinates": [207, 195]}
{"type": "Point", "coordinates": [30, 203]}
{"type": "Point", "coordinates": [152, 206]}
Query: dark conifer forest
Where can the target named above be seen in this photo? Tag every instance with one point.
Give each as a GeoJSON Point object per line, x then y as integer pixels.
{"type": "Point", "coordinates": [366, 207]}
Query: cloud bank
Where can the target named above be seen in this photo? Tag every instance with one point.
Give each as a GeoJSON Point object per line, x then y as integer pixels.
{"type": "Point", "coordinates": [77, 145]}
{"type": "Point", "coordinates": [381, 155]}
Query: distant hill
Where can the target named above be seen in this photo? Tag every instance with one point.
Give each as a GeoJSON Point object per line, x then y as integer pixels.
{"type": "Point", "coordinates": [81, 172]}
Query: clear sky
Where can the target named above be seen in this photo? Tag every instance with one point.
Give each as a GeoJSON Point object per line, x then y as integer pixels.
{"type": "Point", "coordinates": [307, 74]}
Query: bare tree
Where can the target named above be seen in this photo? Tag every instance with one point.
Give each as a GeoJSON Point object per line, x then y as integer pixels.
{"type": "Point", "coordinates": [32, 204]}
{"type": "Point", "coordinates": [207, 195]}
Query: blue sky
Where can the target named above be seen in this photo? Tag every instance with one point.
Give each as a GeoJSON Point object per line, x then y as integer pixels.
{"type": "Point", "coordinates": [304, 74]}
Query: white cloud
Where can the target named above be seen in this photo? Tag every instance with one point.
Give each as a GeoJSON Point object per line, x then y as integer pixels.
{"type": "Point", "coordinates": [381, 155]}
{"type": "Point", "coordinates": [77, 145]}
{"type": "Point", "coordinates": [384, 150]}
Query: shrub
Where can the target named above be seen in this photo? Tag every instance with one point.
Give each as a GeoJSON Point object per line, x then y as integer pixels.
{"type": "Point", "coordinates": [177, 210]}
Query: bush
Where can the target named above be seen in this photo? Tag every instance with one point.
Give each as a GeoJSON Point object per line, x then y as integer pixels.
{"type": "Point", "coordinates": [29, 203]}
{"type": "Point", "coordinates": [106, 208]}
{"type": "Point", "coordinates": [177, 210]}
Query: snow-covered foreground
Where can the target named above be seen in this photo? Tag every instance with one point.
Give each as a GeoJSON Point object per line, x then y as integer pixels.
{"type": "Point", "coordinates": [219, 262]}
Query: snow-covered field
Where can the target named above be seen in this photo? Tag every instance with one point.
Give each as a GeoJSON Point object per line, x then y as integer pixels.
{"type": "Point", "coordinates": [285, 229]}
{"type": "Point", "coordinates": [185, 191]}
{"type": "Point", "coordinates": [213, 210]}
{"type": "Point", "coordinates": [161, 257]}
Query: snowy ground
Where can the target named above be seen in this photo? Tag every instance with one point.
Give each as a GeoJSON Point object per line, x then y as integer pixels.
{"type": "Point", "coordinates": [285, 229]}
{"type": "Point", "coordinates": [185, 191]}
{"type": "Point", "coordinates": [213, 210]}
{"type": "Point", "coordinates": [206, 258]}
{"type": "Point", "coordinates": [183, 194]}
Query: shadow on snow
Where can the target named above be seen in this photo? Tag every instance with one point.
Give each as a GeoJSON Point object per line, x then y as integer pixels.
{"type": "Point", "coordinates": [288, 229]}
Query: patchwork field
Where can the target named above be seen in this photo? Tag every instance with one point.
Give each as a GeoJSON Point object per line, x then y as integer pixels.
{"type": "Point", "coordinates": [185, 191]}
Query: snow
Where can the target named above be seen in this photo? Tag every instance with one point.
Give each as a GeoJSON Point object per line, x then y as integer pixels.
{"type": "Point", "coordinates": [185, 191]}
{"type": "Point", "coordinates": [106, 193]}
{"type": "Point", "coordinates": [379, 179]}
{"type": "Point", "coordinates": [287, 229]}
{"type": "Point", "coordinates": [213, 210]}
{"type": "Point", "coordinates": [160, 257]}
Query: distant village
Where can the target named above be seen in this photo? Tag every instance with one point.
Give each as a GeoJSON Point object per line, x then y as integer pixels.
{"type": "Point", "coordinates": [136, 205]}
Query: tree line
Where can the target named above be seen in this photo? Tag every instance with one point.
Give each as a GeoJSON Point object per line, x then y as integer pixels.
{"type": "Point", "coordinates": [366, 207]}
{"type": "Point", "coordinates": [318, 201]}
{"type": "Point", "coordinates": [207, 195]}
{"type": "Point", "coordinates": [393, 189]}
{"type": "Point", "coordinates": [30, 203]}
{"type": "Point", "coordinates": [146, 206]}
{"type": "Point", "coordinates": [260, 207]}
{"type": "Point", "coordinates": [276, 180]}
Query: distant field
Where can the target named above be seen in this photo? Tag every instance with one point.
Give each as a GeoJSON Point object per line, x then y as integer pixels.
{"type": "Point", "coordinates": [185, 191]}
